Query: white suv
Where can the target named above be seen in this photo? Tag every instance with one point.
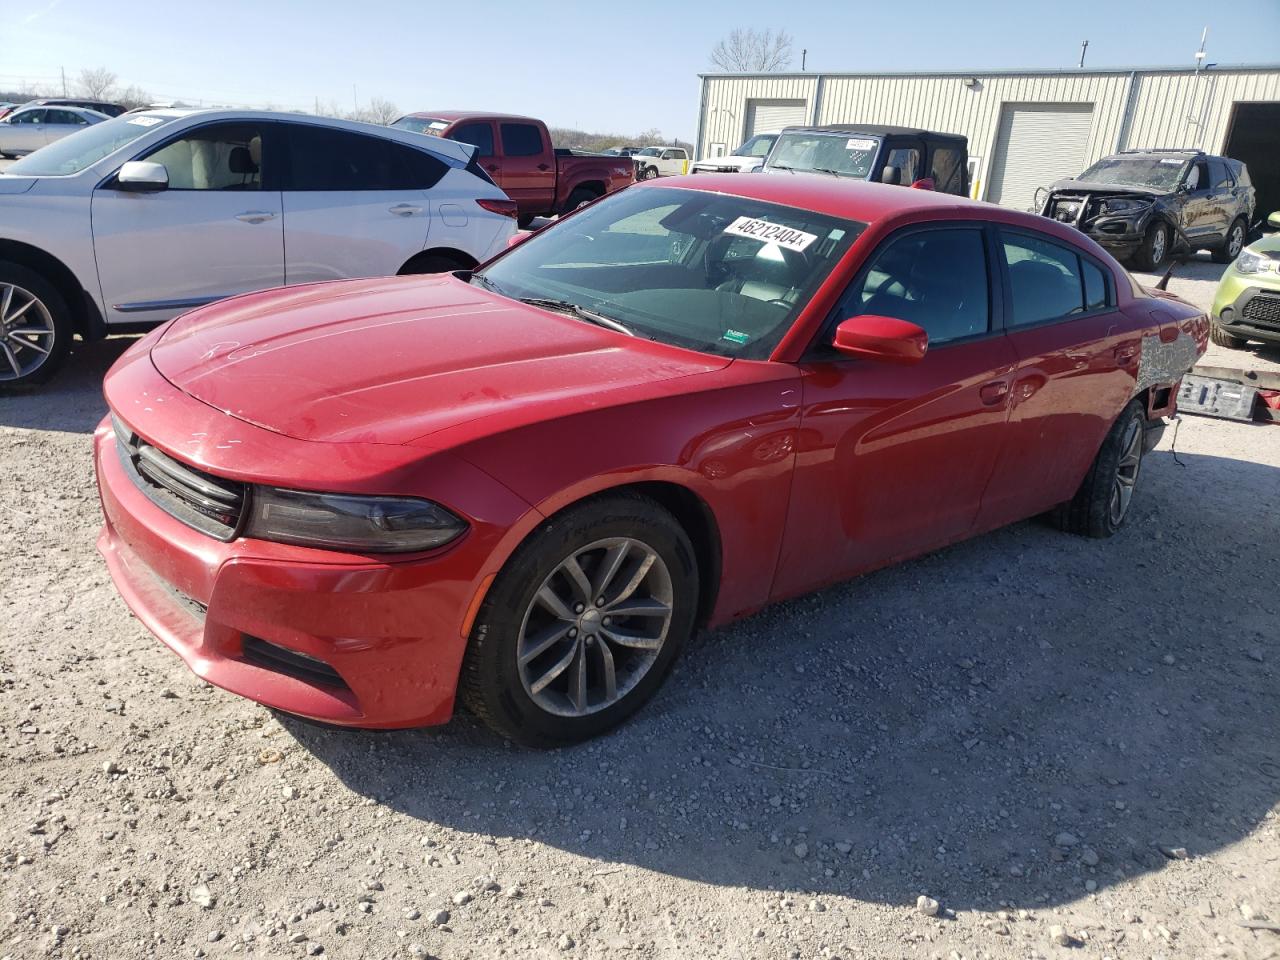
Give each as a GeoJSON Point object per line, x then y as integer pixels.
{"type": "Point", "coordinates": [136, 219]}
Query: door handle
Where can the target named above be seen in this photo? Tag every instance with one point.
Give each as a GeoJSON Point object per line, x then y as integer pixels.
{"type": "Point", "coordinates": [1125, 353]}
{"type": "Point", "coordinates": [994, 392]}
{"type": "Point", "coordinates": [255, 216]}
{"type": "Point", "coordinates": [404, 209]}
{"type": "Point", "coordinates": [543, 166]}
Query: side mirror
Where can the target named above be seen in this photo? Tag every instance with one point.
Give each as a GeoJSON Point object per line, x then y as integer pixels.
{"type": "Point", "coordinates": [1183, 187]}
{"type": "Point", "coordinates": [887, 339]}
{"type": "Point", "coordinates": [142, 176]}
{"type": "Point", "coordinates": [1274, 219]}
{"type": "Point", "coordinates": [891, 175]}
{"type": "Point", "coordinates": [924, 183]}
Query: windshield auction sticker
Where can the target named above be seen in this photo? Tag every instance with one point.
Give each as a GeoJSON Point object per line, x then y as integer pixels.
{"type": "Point", "coordinates": [859, 143]}
{"type": "Point", "coordinates": [767, 232]}
{"type": "Point", "coordinates": [144, 121]}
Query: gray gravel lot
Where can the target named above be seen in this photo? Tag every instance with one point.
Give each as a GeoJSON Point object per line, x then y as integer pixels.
{"type": "Point", "coordinates": [1015, 727]}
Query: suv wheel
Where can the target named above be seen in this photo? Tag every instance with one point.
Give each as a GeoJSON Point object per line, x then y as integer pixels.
{"type": "Point", "coordinates": [1234, 243]}
{"type": "Point", "coordinates": [35, 327]}
{"type": "Point", "coordinates": [1154, 247]}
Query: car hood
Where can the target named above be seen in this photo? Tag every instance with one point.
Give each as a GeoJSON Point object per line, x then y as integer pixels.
{"type": "Point", "coordinates": [396, 359]}
{"type": "Point", "coordinates": [1268, 245]}
{"type": "Point", "coordinates": [1086, 186]}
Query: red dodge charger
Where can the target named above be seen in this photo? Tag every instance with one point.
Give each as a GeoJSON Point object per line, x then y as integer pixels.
{"type": "Point", "coordinates": [529, 484]}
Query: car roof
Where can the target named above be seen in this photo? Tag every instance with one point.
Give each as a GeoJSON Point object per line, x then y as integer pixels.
{"type": "Point", "coordinates": [875, 129]}
{"type": "Point", "coordinates": [448, 148]}
{"type": "Point", "coordinates": [859, 200]}
{"type": "Point", "coordinates": [454, 115]}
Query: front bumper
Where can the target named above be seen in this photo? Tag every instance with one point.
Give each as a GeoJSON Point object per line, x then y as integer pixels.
{"type": "Point", "coordinates": [348, 639]}
{"type": "Point", "coordinates": [1246, 307]}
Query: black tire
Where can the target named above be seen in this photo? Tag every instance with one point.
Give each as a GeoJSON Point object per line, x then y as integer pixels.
{"type": "Point", "coordinates": [525, 220]}
{"type": "Point", "coordinates": [579, 197]}
{"type": "Point", "coordinates": [433, 263]}
{"type": "Point", "coordinates": [1233, 242]}
{"type": "Point", "coordinates": [1224, 339]}
{"type": "Point", "coordinates": [1154, 248]}
{"type": "Point", "coordinates": [1091, 512]}
{"type": "Point", "coordinates": [47, 296]}
{"type": "Point", "coordinates": [490, 684]}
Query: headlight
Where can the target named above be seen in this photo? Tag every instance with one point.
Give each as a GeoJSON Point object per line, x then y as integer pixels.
{"type": "Point", "coordinates": [339, 521]}
{"type": "Point", "coordinates": [1251, 262]}
{"type": "Point", "coordinates": [1124, 206]}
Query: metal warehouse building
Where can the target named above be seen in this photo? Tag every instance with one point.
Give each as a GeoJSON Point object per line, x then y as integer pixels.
{"type": "Point", "coordinates": [1025, 128]}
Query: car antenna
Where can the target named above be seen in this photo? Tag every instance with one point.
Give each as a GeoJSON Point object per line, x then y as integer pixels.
{"type": "Point", "coordinates": [1163, 282]}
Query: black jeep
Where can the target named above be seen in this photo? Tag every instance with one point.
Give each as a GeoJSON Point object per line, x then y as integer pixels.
{"type": "Point", "coordinates": [899, 155]}
{"type": "Point", "coordinates": [1141, 205]}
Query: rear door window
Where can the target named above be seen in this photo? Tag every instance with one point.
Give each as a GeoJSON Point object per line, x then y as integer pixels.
{"type": "Point", "coordinates": [1220, 175]}
{"type": "Point", "coordinates": [65, 117]}
{"type": "Point", "coordinates": [946, 170]}
{"type": "Point", "coordinates": [479, 135]}
{"type": "Point", "coordinates": [1049, 281]}
{"type": "Point", "coordinates": [321, 158]}
{"type": "Point", "coordinates": [520, 140]}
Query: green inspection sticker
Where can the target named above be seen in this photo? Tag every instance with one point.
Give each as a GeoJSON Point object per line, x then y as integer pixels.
{"type": "Point", "coordinates": [735, 336]}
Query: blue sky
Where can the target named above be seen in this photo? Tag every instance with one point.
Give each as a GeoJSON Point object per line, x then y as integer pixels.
{"type": "Point", "coordinates": [595, 65]}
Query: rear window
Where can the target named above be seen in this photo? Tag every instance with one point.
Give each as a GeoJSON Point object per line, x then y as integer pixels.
{"type": "Point", "coordinates": [521, 140]}
{"type": "Point", "coordinates": [479, 135]}
{"type": "Point", "coordinates": [339, 160]}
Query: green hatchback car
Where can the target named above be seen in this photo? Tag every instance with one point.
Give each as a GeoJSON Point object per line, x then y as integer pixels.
{"type": "Point", "coordinates": [1247, 304]}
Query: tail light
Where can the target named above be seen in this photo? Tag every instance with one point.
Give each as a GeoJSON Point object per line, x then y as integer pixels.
{"type": "Point", "coordinates": [503, 208]}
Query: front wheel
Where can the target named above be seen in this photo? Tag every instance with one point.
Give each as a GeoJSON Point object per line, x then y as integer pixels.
{"type": "Point", "coordinates": [35, 327]}
{"type": "Point", "coordinates": [1233, 244]}
{"type": "Point", "coordinates": [583, 623]}
{"type": "Point", "coordinates": [1154, 247]}
{"type": "Point", "coordinates": [1101, 504]}
{"type": "Point", "coordinates": [649, 173]}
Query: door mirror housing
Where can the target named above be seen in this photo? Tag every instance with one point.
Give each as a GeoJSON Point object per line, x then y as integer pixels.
{"type": "Point", "coordinates": [891, 175]}
{"type": "Point", "coordinates": [142, 176]}
{"type": "Point", "coordinates": [886, 339]}
{"type": "Point", "coordinates": [1274, 219]}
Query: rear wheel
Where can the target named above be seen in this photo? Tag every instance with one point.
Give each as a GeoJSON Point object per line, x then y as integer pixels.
{"type": "Point", "coordinates": [35, 327]}
{"type": "Point", "coordinates": [583, 623]}
{"type": "Point", "coordinates": [1101, 504]}
{"type": "Point", "coordinates": [1154, 247]}
{"type": "Point", "coordinates": [1233, 243]}
{"type": "Point", "coordinates": [580, 197]}
{"type": "Point", "coordinates": [1224, 339]}
{"type": "Point", "coordinates": [434, 263]}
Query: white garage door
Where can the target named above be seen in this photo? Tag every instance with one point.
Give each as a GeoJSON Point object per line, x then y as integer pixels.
{"type": "Point", "coordinates": [1037, 144]}
{"type": "Point", "coordinates": [770, 116]}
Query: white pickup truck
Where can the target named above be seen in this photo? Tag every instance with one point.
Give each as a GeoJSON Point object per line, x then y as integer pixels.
{"type": "Point", "coordinates": [661, 162]}
{"type": "Point", "coordinates": [748, 158]}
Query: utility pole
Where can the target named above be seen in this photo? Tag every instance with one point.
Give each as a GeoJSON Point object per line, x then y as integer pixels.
{"type": "Point", "coordinates": [64, 81]}
{"type": "Point", "coordinates": [804, 57]}
{"type": "Point", "coordinates": [1084, 47]}
{"type": "Point", "coordinates": [355, 104]}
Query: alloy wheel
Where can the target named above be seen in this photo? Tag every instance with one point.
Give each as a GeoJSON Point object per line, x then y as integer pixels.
{"type": "Point", "coordinates": [1235, 241]}
{"type": "Point", "coordinates": [1158, 244]}
{"type": "Point", "coordinates": [595, 627]}
{"type": "Point", "coordinates": [26, 332]}
{"type": "Point", "coordinates": [1126, 472]}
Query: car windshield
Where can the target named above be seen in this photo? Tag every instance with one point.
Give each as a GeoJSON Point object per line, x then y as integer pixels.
{"type": "Point", "coordinates": [80, 150]}
{"type": "Point", "coordinates": [722, 274]}
{"type": "Point", "coordinates": [1163, 173]}
{"type": "Point", "coordinates": [848, 155]}
{"type": "Point", "coordinates": [421, 125]}
{"type": "Point", "coordinates": [758, 146]}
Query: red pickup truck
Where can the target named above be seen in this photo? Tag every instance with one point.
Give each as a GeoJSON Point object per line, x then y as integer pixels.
{"type": "Point", "coordinates": [517, 153]}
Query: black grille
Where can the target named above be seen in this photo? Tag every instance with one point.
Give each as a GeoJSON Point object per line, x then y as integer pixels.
{"type": "Point", "coordinates": [1263, 309]}
{"type": "Point", "coordinates": [279, 659]}
{"type": "Point", "coordinates": [207, 503]}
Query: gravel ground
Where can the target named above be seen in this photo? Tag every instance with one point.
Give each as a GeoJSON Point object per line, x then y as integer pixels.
{"type": "Point", "coordinates": [1051, 740]}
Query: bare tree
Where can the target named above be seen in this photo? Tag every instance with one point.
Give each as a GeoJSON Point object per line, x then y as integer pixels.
{"type": "Point", "coordinates": [133, 97]}
{"type": "Point", "coordinates": [96, 84]}
{"type": "Point", "coordinates": [380, 111]}
{"type": "Point", "coordinates": [753, 51]}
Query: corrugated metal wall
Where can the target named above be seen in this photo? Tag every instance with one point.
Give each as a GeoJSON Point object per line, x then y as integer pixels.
{"type": "Point", "coordinates": [1162, 103]}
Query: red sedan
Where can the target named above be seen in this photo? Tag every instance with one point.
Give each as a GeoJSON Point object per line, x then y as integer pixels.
{"type": "Point", "coordinates": [530, 484]}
